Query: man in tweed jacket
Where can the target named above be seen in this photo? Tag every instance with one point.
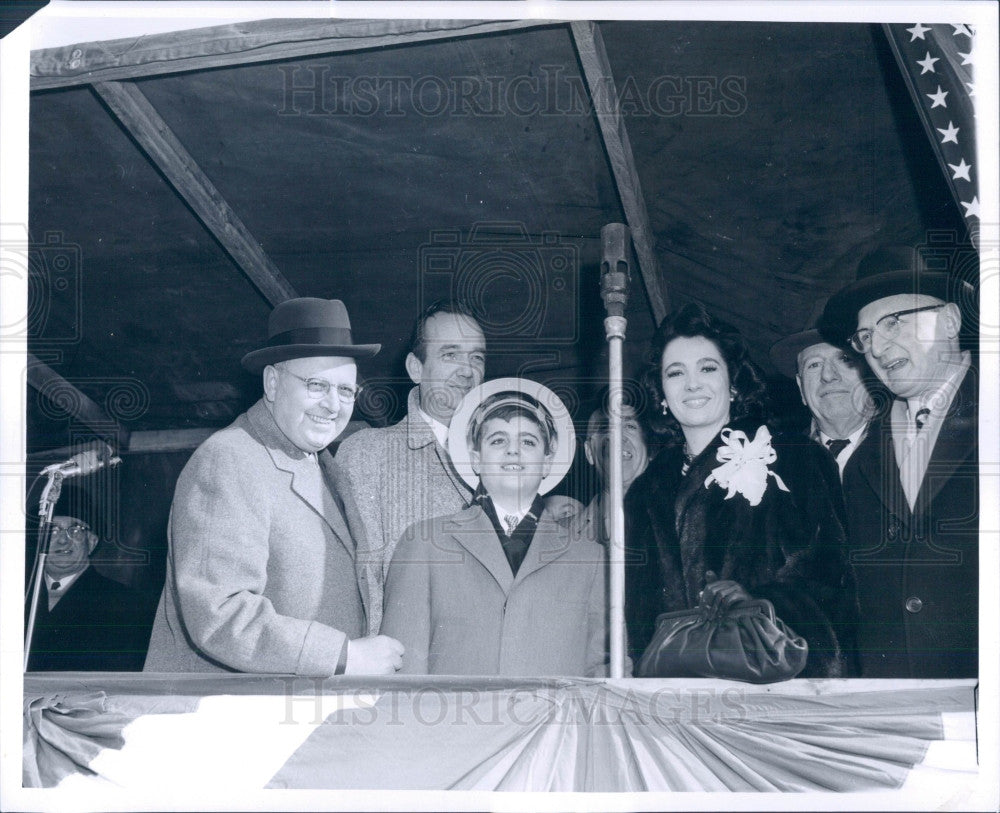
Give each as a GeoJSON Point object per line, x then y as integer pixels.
{"type": "Point", "coordinates": [261, 572]}
{"type": "Point", "coordinates": [393, 477]}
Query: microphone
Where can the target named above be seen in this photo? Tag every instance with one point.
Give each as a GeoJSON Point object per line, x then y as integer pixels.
{"type": "Point", "coordinates": [84, 463]}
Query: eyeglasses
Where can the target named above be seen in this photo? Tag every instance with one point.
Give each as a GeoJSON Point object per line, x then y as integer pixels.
{"type": "Point", "coordinates": [318, 388]}
{"type": "Point", "coordinates": [74, 532]}
{"type": "Point", "coordinates": [887, 327]}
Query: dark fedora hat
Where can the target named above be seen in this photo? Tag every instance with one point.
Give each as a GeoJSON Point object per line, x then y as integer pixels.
{"type": "Point", "coordinates": [887, 271]}
{"type": "Point", "coordinates": [784, 353]}
{"type": "Point", "coordinates": [307, 327]}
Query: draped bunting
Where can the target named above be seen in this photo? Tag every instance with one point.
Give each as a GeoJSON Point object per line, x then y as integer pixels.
{"type": "Point", "coordinates": [249, 732]}
{"type": "Point", "coordinates": [63, 733]}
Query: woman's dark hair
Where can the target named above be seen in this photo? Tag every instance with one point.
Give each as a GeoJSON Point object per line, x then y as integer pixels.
{"type": "Point", "coordinates": [750, 400]}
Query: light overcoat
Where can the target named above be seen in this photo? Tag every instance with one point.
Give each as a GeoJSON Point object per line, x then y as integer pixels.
{"type": "Point", "coordinates": [453, 602]}
{"type": "Point", "coordinates": [261, 575]}
{"type": "Point", "coordinates": [389, 479]}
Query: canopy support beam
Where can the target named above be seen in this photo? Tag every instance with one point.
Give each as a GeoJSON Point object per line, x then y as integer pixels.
{"type": "Point", "coordinates": [48, 383]}
{"type": "Point", "coordinates": [140, 119]}
{"type": "Point", "coordinates": [601, 85]}
{"type": "Point", "coordinates": [243, 44]}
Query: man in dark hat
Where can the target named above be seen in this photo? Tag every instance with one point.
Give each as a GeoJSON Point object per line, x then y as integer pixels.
{"type": "Point", "coordinates": [84, 621]}
{"type": "Point", "coordinates": [261, 571]}
{"type": "Point", "coordinates": [830, 384]}
{"type": "Point", "coordinates": [912, 488]}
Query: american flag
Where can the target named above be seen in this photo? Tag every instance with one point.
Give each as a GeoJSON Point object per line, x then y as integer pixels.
{"type": "Point", "coordinates": [937, 63]}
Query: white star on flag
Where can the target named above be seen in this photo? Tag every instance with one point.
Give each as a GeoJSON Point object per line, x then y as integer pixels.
{"type": "Point", "coordinates": [927, 63]}
{"type": "Point", "coordinates": [972, 207]}
{"type": "Point", "coordinates": [950, 134]}
{"type": "Point", "coordinates": [961, 170]}
{"type": "Point", "coordinates": [928, 57]}
{"type": "Point", "coordinates": [938, 98]}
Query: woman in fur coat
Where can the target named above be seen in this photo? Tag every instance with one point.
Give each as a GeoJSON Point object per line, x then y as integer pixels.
{"type": "Point", "coordinates": [726, 512]}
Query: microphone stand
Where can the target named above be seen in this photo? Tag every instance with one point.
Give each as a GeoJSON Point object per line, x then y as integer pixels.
{"type": "Point", "coordinates": [46, 505]}
{"type": "Point", "coordinates": [615, 244]}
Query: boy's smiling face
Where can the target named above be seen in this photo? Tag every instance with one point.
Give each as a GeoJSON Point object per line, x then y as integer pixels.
{"type": "Point", "coordinates": [511, 460]}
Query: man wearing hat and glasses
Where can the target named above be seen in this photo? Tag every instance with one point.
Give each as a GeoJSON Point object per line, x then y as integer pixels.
{"type": "Point", "coordinates": [830, 385]}
{"type": "Point", "coordinates": [912, 487]}
{"type": "Point", "coordinates": [261, 573]}
{"type": "Point", "coordinates": [85, 621]}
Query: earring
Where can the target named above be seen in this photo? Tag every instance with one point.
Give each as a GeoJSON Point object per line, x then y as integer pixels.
{"type": "Point", "coordinates": [733, 393]}
{"type": "Point", "coordinates": [663, 404]}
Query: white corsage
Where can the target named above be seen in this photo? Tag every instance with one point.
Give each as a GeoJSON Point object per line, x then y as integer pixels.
{"type": "Point", "coordinates": [745, 462]}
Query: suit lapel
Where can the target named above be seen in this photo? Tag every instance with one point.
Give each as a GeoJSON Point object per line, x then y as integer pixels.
{"type": "Point", "coordinates": [332, 512]}
{"type": "Point", "coordinates": [877, 464]}
{"type": "Point", "coordinates": [457, 482]}
{"type": "Point", "coordinates": [549, 543]}
{"type": "Point", "coordinates": [309, 481]}
{"type": "Point", "coordinates": [419, 435]}
{"type": "Point", "coordinates": [955, 445]}
{"type": "Point", "coordinates": [473, 530]}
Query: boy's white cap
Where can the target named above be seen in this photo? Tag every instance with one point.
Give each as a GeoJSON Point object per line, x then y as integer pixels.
{"type": "Point", "coordinates": [565, 438]}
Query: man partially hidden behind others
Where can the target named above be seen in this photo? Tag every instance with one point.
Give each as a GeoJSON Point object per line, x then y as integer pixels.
{"type": "Point", "coordinates": [911, 489]}
{"type": "Point", "coordinates": [85, 621]}
{"type": "Point", "coordinates": [393, 477]}
{"type": "Point", "coordinates": [829, 382]}
{"type": "Point", "coordinates": [261, 573]}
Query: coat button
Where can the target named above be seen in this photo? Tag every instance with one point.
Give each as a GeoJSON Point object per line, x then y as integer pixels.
{"type": "Point", "coordinates": [893, 530]}
{"type": "Point", "coordinates": [914, 605]}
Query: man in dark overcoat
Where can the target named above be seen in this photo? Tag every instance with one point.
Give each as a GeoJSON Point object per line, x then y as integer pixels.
{"type": "Point", "coordinates": [85, 621]}
{"type": "Point", "coordinates": [911, 489]}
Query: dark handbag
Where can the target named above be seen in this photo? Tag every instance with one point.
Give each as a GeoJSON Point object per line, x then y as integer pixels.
{"type": "Point", "coordinates": [746, 642]}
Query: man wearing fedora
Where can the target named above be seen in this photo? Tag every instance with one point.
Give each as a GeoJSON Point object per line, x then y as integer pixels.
{"type": "Point", "coordinates": [831, 387]}
{"type": "Point", "coordinates": [261, 572]}
{"type": "Point", "coordinates": [912, 487]}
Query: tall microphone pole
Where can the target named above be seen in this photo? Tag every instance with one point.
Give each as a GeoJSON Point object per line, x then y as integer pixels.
{"type": "Point", "coordinates": [615, 245]}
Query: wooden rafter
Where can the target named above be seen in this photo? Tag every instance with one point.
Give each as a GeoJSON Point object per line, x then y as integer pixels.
{"type": "Point", "coordinates": [600, 83]}
{"type": "Point", "coordinates": [145, 125]}
{"type": "Point", "coordinates": [242, 44]}
{"type": "Point", "coordinates": [77, 405]}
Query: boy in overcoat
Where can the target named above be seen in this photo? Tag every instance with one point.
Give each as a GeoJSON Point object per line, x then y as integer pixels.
{"type": "Point", "coordinates": [501, 588]}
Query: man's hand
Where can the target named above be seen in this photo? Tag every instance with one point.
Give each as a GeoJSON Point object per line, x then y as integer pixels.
{"type": "Point", "coordinates": [561, 507]}
{"type": "Point", "coordinates": [377, 655]}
